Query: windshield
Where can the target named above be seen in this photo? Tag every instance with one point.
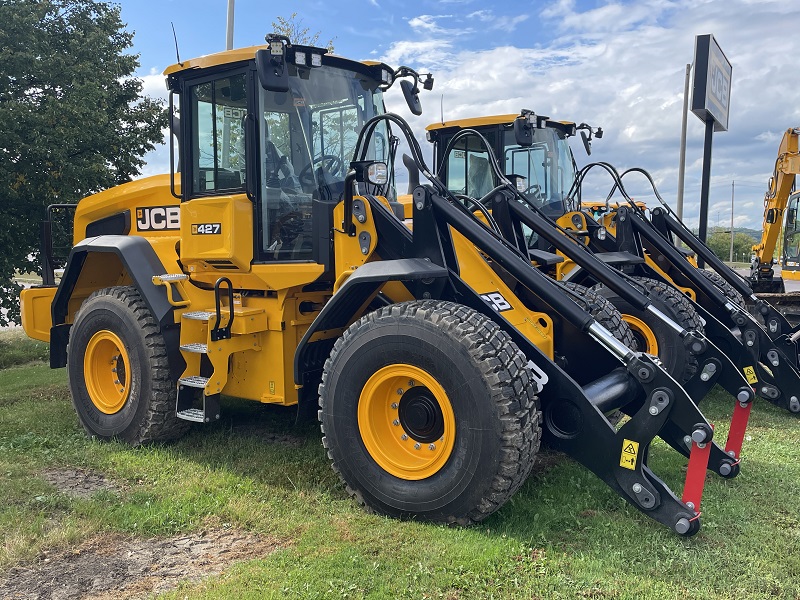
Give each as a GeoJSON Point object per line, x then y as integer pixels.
{"type": "Point", "coordinates": [308, 136]}
{"type": "Point", "coordinates": [546, 165]}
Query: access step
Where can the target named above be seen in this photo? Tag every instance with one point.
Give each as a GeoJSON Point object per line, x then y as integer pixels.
{"type": "Point", "coordinates": [195, 381]}
{"type": "Point", "coordinates": [195, 347]}
{"type": "Point", "coordinates": [192, 414]}
{"type": "Point", "coordinates": [198, 315]}
{"type": "Point", "coordinates": [158, 279]}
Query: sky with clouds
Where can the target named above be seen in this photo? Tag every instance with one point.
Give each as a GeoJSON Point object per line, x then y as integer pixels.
{"type": "Point", "coordinates": [616, 64]}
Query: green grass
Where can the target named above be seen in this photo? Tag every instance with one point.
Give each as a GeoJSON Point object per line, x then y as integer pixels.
{"type": "Point", "coordinates": [564, 534]}
{"type": "Point", "coordinates": [18, 349]}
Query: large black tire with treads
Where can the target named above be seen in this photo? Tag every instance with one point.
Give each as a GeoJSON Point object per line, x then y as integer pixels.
{"type": "Point", "coordinates": [429, 411]}
{"type": "Point", "coordinates": [604, 312]}
{"type": "Point", "coordinates": [118, 371]}
{"type": "Point", "coordinates": [653, 335]}
{"type": "Point", "coordinates": [725, 287]}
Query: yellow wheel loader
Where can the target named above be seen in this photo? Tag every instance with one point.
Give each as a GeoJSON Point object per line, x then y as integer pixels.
{"type": "Point", "coordinates": [275, 266]}
{"type": "Point", "coordinates": [628, 240]}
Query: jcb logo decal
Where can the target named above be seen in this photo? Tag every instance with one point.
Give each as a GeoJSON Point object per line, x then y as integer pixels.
{"type": "Point", "coordinates": [496, 301]}
{"type": "Point", "coordinates": [158, 218]}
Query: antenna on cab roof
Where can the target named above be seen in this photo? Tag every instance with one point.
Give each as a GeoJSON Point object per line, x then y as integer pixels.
{"type": "Point", "coordinates": [175, 36]}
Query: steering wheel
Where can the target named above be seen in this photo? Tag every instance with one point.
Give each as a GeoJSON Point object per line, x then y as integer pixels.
{"type": "Point", "coordinates": [329, 163]}
{"type": "Point", "coordinates": [535, 191]}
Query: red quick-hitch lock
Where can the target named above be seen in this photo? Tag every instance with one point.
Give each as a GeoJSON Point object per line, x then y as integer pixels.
{"type": "Point", "coordinates": [698, 464]}
{"type": "Point", "coordinates": [741, 415]}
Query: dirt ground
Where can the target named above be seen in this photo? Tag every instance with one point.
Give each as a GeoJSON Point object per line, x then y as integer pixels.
{"type": "Point", "coordinates": [109, 567]}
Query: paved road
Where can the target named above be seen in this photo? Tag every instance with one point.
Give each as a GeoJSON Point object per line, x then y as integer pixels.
{"type": "Point", "coordinates": [792, 285]}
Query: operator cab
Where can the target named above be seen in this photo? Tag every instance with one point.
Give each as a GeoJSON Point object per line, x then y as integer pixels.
{"type": "Point", "coordinates": [277, 126]}
{"type": "Point", "coordinates": [544, 171]}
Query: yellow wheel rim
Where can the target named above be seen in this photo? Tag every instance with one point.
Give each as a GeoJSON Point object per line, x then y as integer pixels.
{"type": "Point", "coordinates": [106, 371]}
{"type": "Point", "coordinates": [406, 422]}
{"type": "Point", "coordinates": [644, 335]}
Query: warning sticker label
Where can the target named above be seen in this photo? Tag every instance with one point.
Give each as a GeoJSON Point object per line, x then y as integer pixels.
{"type": "Point", "coordinates": [627, 458]}
{"type": "Point", "coordinates": [750, 374]}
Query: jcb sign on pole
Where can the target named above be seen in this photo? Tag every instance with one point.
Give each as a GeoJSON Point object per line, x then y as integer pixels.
{"type": "Point", "coordinates": [712, 82]}
{"type": "Point", "coordinates": [711, 100]}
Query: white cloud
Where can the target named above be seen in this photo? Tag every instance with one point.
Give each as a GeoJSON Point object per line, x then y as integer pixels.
{"type": "Point", "coordinates": [618, 64]}
{"type": "Point", "coordinates": [622, 66]}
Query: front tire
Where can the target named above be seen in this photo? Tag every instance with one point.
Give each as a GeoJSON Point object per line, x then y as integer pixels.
{"type": "Point", "coordinates": [653, 336]}
{"type": "Point", "coordinates": [429, 411]}
{"type": "Point", "coordinates": [118, 371]}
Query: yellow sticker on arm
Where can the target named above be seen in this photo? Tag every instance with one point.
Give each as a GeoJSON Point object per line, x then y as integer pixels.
{"type": "Point", "coordinates": [750, 374]}
{"type": "Point", "coordinates": [630, 451]}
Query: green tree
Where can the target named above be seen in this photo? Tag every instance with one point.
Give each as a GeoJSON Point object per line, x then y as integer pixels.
{"type": "Point", "coordinates": [719, 241]}
{"type": "Point", "coordinates": [292, 27]}
{"type": "Point", "coordinates": [73, 119]}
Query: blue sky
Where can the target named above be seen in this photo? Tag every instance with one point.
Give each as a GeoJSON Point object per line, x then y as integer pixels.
{"type": "Point", "coordinates": [617, 64]}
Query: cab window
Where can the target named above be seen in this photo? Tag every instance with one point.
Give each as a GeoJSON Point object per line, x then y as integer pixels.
{"type": "Point", "coordinates": [219, 108]}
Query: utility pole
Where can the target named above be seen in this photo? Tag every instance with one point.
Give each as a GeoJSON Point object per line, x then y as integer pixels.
{"type": "Point", "coordinates": [733, 186]}
{"type": "Point", "coordinates": [229, 40]}
{"type": "Point", "coordinates": [682, 161]}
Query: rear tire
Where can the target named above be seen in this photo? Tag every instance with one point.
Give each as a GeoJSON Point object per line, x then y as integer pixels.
{"type": "Point", "coordinates": [118, 371]}
{"type": "Point", "coordinates": [725, 287]}
{"type": "Point", "coordinates": [605, 313]}
{"type": "Point", "coordinates": [428, 410]}
{"type": "Point", "coordinates": [656, 337]}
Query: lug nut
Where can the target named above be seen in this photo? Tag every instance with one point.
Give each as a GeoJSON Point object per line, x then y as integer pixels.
{"type": "Point", "coordinates": [399, 391]}
{"type": "Point", "coordinates": [432, 447]}
{"type": "Point", "coordinates": [404, 437]}
{"type": "Point", "coordinates": [411, 383]}
{"type": "Point", "coordinates": [416, 446]}
{"type": "Point", "coordinates": [395, 422]}
{"type": "Point", "coordinates": [394, 405]}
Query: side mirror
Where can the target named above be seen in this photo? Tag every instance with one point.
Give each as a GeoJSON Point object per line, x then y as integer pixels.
{"type": "Point", "coordinates": [411, 94]}
{"type": "Point", "coordinates": [523, 132]}
{"type": "Point", "coordinates": [520, 182]}
{"type": "Point", "coordinates": [273, 72]}
{"type": "Point", "coordinates": [771, 216]}
{"type": "Point", "coordinates": [377, 173]}
{"type": "Point", "coordinates": [587, 143]}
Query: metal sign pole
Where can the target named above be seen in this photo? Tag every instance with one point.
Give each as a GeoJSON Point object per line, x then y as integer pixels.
{"type": "Point", "coordinates": [705, 186]}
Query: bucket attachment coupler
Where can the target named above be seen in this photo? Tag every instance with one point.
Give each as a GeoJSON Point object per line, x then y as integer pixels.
{"type": "Point", "coordinates": [619, 457]}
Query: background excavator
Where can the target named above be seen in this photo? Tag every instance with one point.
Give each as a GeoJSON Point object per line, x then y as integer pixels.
{"type": "Point", "coordinates": [777, 210]}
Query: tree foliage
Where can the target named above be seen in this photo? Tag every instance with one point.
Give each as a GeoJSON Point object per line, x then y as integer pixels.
{"type": "Point", "coordinates": [73, 120]}
{"type": "Point", "coordinates": [720, 243]}
{"type": "Point", "coordinates": [292, 27]}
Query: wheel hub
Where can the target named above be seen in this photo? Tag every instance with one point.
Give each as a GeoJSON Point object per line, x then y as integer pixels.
{"type": "Point", "coordinates": [420, 415]}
